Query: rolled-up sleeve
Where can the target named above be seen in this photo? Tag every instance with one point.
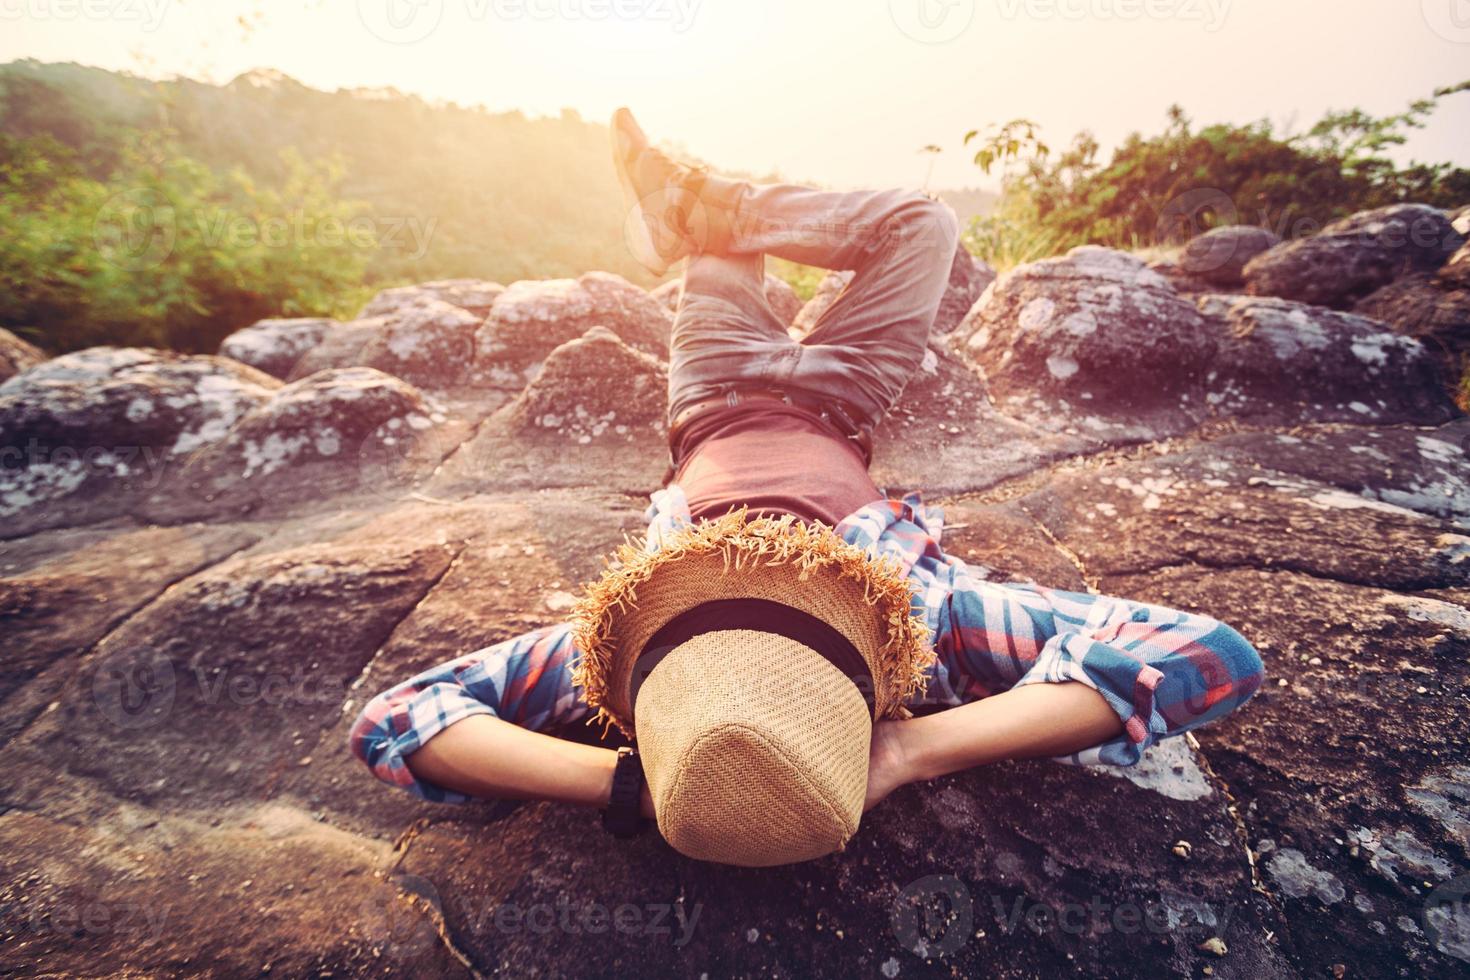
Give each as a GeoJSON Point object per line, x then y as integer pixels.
{"type": "Point", "coordinates": [526, 680]}
{"type": "Point", "coordinates": [1161, 670]}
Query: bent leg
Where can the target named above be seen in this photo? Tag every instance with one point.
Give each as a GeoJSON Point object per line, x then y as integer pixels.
{"type": "Point", "coordinates": [900, 245]}
{"type": "Point", "coordinates": [725, 332]}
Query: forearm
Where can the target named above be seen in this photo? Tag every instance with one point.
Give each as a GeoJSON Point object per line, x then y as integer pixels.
{"type": "Point", "coordinates": [1039, 720]}
{"type": "Point", "coordinates": [486, 757]}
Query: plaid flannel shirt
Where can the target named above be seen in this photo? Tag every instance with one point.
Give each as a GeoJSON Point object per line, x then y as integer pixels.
{"type": "Point", "coordinates": [1164, 672]}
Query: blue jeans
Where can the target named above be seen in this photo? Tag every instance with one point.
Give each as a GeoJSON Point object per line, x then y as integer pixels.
{"type": "Point", "coordinates": [900, 246]}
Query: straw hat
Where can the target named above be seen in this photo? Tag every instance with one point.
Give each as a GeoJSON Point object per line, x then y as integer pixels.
{"type": "Point", "coordinates": [748, 660]}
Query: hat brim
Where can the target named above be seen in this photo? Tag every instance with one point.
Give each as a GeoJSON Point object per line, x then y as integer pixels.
{"type": "Point", "coordinates": [805, 565]}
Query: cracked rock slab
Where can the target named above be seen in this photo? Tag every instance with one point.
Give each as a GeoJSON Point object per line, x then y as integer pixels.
{"type": "Point", "coordinates": [237, 668]}
{"type": "Point", "coordinates": [1362, 709]}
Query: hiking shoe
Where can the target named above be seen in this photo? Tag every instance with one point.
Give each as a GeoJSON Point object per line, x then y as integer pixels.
{"type": "Point", "coordinates": [666, 219]}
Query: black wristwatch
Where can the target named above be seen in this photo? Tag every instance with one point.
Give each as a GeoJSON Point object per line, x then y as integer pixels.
{"type": "Point", "coordinates": [624, 814]}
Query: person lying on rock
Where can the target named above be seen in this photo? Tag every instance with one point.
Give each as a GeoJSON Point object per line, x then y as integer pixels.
{"type": "Point", "coordinates": [767, 649]}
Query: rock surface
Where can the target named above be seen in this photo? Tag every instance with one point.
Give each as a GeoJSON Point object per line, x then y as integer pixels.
{"type": "Point", "coordinates": [425, 341]}
{"type": "Point", "coordinates": [1304, 362]}
{"type": "Point", "coordinates": [274, 346]}
{"type": "Point", "coordinates": [88, 434]}
{"type": "Point", "coordinates": [182, 660]}
{"type": "Point", "coordinates": [1351, 258]}
{"type": "Point", "coordinates": [532, 317]}
{"type": "Point", "coordinates": [473, 295]}
{"type": "Point", "coordinates": [1430, 309]}
{"type": "Point", "coordinates": [17, 355]}
{"type": "Point", "coordinates": [1080, 330]}
{"type": "Point", "coordinates": [1219, 256]}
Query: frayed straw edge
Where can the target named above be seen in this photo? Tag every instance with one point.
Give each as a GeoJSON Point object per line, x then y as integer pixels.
{"type": "Point", "coordinates": [903, 659]}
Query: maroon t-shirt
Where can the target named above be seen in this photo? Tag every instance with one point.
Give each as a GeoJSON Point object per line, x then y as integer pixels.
{"type": "Point", "coordinates": [775, 459]}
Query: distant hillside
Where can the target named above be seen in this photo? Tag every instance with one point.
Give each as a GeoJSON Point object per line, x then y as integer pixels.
{"type": "Point", "coordinates": [454, 191]}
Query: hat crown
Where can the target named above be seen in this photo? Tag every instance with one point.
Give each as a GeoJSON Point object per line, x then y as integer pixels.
{"type": "Point", "coordinates": [755, 749]}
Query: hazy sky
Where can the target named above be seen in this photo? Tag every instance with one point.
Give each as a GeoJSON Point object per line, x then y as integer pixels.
{"type": "Point", "coordinates": [841, 92]}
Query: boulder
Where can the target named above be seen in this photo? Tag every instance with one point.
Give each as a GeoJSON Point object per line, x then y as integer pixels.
{"type": "Point", "coordinates": [1353, 257]}
{"type": "Point", "coordinates": [274, 346]}
{"type": "Point", "coordinates": [473, 295]}
{"type": "Point", "coordinates": [177, 695]}
{"type": "Point", "coordinates": [341, 347]}
{"type": "Point", "coordinates": [332, 431]}
{"type": "Point", "coordinates": [1456, 272]}
{"type": "Point", "coordinates": [779, 294]}
{"type": "Point", "coordinates": [16, 355]}
{"type": "Point", "coordinates": [1219, 256]}
{"type": "Point", "coordinates": [594, 415]}
{"type": "Point", "coordinates": [968, 278]}
{"type": "Point", "coordinates": [87, 431]}
{"type": "Point", "coordinates": [1083, 330]}
{"type": "Point", "coordinates": [532, 317]}
{"type": "Point", "coordinates": [430, 343]}
{"type": "Point", "coordinates": [592, 388]}
{"type": "Point", "coordinates": [427, 342]}
{"type": "Point", "coordinates": [1460, 220]}
{"type": "Point", "coordinates": [831, 286]}
{"type": "Point", "coordinates": [1427, 308]}
{"type": "Point", "coordinates": [1294, 361]}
